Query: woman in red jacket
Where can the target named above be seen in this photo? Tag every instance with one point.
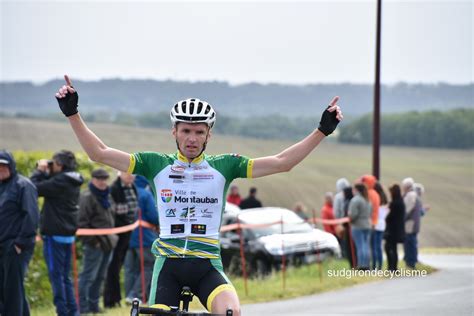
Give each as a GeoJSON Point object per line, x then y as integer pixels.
{"type": "Point", "coordinates": [328, 213]}
{"type": "Point", "coordinates": [234, 196]}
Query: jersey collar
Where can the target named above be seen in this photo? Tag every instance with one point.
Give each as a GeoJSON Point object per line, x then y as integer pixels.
{"type": "Point", "coordinates": [196, 160]}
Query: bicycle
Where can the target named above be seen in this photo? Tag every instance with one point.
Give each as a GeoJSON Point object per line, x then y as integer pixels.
{"type": "Point", "coordinates": [186, 296]}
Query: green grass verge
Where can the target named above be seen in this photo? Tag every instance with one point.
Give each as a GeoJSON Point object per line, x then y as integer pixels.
{"type": "Point", "coordinates": [300, 281]}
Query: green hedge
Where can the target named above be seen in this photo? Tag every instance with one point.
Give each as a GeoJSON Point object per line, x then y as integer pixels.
{"type": "Point", "coordinates": [26, 162]}
{"type": "Point", "coordinates": [449, 129]}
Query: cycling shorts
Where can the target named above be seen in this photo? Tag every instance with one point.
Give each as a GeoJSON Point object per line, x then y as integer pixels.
{"type": "Point", "coordinates": [205, 277]}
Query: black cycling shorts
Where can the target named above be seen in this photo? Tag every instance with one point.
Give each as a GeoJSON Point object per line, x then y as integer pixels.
{"type": "Point", "coordinates": [205, 277]}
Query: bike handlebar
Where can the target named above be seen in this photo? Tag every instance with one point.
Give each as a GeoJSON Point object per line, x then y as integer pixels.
{"type": "Point", "coordinates": [137, 310]}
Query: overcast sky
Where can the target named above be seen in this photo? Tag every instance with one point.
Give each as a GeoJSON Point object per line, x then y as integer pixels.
{"type": "Point", "coordinates": [285, 42]}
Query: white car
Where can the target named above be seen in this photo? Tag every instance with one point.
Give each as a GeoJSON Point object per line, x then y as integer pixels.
{"type": "Point", "coordinates": [264, 246]}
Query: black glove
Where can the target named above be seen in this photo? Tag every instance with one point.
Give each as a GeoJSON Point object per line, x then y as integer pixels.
{"type": "Point", "coordinates": [68, 104]}
{"type": "Point", "coordinates": [328, 122]}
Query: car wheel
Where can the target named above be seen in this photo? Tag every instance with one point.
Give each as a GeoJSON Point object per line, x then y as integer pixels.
{"type": "Point", "coordinates": [260, 268]}
{"type": "Point", "coordinates": [235, 266]}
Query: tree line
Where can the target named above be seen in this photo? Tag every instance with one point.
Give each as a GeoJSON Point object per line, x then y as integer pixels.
{"type": "Point", "coordinates": [447, 129]}
{"type": "Point", "coordinates": [450, 129]}
{"type": "Point", "coordinates": [244, 100]}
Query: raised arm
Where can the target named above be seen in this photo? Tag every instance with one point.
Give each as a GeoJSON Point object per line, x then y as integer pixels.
{"type": "Point", "coordinates": [293, 155]}
{"type": "Point", "coordinates": [94, 147]}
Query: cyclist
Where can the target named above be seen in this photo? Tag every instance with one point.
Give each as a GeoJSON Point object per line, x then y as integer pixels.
{"type": "Point", "coordinates": [190, 189]}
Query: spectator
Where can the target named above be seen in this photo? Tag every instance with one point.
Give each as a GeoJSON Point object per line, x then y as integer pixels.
{"type": "Point", "coordinates": [377, 233]}
{"type": "Point", "coordinates": [59, 183]}
{"type": "Point", "coordinates": [338, 204]}
{"type": "Point", "coordinates": [374, 200]}
{"type": "Point", "coordinates": [96, 211]}
{"type": "Point", "coordinates": [234, 195]}
{"type": "Point", "coordinates": [328, 213]}
{"type": "Point", "coordinates": [18, 223]}
{"type": "Point", "coordinates": [359, 213]}
{"type": "Point", "coordinates": [395, 228]}
{"type": "Point", "coordinates": [348, 246]}
{"type": "Point", "coordinates": [251, 201]}
{"type": "Point", "coordinates": [412, 222]}
{"type": "Point", "coordinates": [348, 195]}
{"type": "Point", "coordinates": [300, 210]}
{"type": "Point", "coordinates": [149, 214]}
{"type": "Point", "coordinates": [125, 196]}
{"type": "Point", "coordinates": [420, 190]}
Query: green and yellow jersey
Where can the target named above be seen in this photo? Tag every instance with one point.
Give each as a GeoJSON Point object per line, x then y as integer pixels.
{"type": "Point", "coordinates": [190, 199]}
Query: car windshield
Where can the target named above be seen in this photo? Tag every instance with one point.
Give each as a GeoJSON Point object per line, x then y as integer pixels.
{"type": "Point", "coordinates": [287, 229]}
{"type": "Point", "coordinates": [292, 223]}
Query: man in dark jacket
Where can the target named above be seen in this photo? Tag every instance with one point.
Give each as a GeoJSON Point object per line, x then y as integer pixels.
{"type": "Point", "coordinates": [18, 223]}
{"type": "Point", "coordinates": [251, 201]}
{"type": "Point", "coordinates": [96, 211]}
{"type": "Point", "coordinates": [125, 196]}
{"type": "Point", "coordinates": [59, 184]}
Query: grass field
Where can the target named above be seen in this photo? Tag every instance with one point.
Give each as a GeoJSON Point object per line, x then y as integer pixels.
{"type": "Point", "coordinates": [448, 175]}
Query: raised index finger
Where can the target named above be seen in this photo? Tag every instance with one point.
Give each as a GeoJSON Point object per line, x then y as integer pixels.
{"type": "Point", "coordinates": [68, 81]}
{"type": "Point", "coordinates": [334, 101]}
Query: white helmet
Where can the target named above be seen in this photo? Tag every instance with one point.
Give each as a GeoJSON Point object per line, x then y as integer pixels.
{"type": "Point", "coordinates": [193, 111]}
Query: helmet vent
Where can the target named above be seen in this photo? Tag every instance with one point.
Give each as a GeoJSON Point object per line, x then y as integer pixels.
{"type": "Point", "coordinates": [199, 107]}
{"type": "Point", "coordinates": [208, 108]}
{"type": "Point", "coordinates": [191, 109]}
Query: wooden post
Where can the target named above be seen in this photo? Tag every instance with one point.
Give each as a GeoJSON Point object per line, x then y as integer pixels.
{"type": "Point", "coordinates": [242, 256]}
{"type": "Point", "coordinates": [142, 258]}
{"type": "Point", "coordinates": [283, 257]}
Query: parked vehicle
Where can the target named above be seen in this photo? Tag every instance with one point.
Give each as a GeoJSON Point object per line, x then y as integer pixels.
{"type": "Point", "coordinates": [264, 246]}
{"type": "Point", "coordinates": [231, 210]}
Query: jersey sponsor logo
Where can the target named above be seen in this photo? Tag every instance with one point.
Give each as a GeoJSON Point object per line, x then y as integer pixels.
{"type": "Point", "coordinates": [235, 155]}
{"type": "Point", "coordinates": [177, 169]}
{"type": "Point", "coordinates": [203, 176]}
{"type": "Point", "coordinates": [180, 192]}
{"type": "Point", "coordinates": [166, 195]}
{"type": "Point", "coordinates": [206, 213]}
{"type": "Point", "coordinates": [171, 212]}
{"type": "Point", "coordinates": [200, 167]}
{"type": "Point", "coordinates": [198, 229]}
{"type": "Point", "coordinates": [176, 176]}
{"type": "Point", "coordinates": [188, 212]}
{"type": "Point", "coordinates": [196, 200]}
{"type": "Point", "coordinates": [177, 228]}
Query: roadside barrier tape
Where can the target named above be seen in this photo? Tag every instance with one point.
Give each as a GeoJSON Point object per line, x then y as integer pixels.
{"type": "Point", "coordinates": [110, 231]}
{"type": "Point", "coordinates": [116, 230]}
{"type": "Point", "coordinates": [106, 231]}
{"type": "Point", "coordinates": [226, 228]}
{"type": "Point", "coordinates": [329, 221]}
{"type": "Point", "coordinates": [146, 224]}
{"type": "Point", "coordinates": [339, 221]}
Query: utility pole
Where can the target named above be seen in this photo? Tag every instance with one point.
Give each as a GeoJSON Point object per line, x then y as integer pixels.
{"type": "Point", "coordinates": [376, 125]}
